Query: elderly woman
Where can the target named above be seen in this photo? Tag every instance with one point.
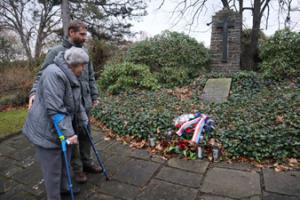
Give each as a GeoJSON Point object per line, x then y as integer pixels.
{"type": "Point", "coordinates": [58, 93]}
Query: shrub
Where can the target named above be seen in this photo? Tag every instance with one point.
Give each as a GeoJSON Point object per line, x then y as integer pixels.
{"type": "Point", "coordinates": [170, 77]}
{"type": "Point", "coordinates": [281, 55]}
{"type": "Point", "coordinates": [170, 49]}
{"type": "Point", "coordinates": [126, 76]}
{"type": "Point", "coordinates": [15, 82]}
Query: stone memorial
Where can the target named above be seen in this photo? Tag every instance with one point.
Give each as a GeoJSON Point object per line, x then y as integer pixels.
{"type": "Point", "coordinates": [225, 50]}
{"type": "Point", "coordinates": [226, 41]}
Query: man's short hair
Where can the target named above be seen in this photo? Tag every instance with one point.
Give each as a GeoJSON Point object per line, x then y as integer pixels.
{"type": "Point", "coordinates": [75, 25]}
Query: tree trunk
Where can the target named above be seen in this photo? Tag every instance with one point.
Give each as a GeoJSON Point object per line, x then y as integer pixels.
{"type": "Point", "coordinates": [241, 6]}
{"type": "Point", "coordinates": [41, 35]}
{"type": "Point", "coordinates": [253, 50]}
{"type": "Point", "coordinates": [65, 15]}
{"type": "Point", "coordinates": [39, 43]}
{"type": "Point", "coordinates": [26, 47]}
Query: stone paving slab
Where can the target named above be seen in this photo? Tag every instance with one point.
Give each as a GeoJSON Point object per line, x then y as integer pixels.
{"type": "Point", "coordinates": [8, 167]}
{"type": "Point", "coordinates": [284, 183]}
{"type": "Point", "coordinates": [180, 177]}
{"type": "Point", "coordinates": [114, 163]}
{"type": "Point", "coordinates": [120, 190]}
{"type": "Point", "coordinates": [231, 183]}
{"type": "Point", "coordinates": [234, 165]}
{"type": "Point", "coordinates": [272, 196]}
{"type": "Point", "coordinates": [212, 197]}
{"type": "Point", "coordinates": [137, 172]}
{"type": "Point", "coordinates": [118, 148]}
{"type": "Point", "coordinates": [17, 142]}
{"type": "Point", "coordinates": [257, 197]}
{"type": "Point", "coordinates": [22, 154]}
{"type": "Point", "coordinates": [31, 178]}
{"type": "Point", "coordinates": [17, 192]}
{"type": "Point", "coordinates": [198, 166]}
{"type": "Point", "coordinates": [6, 150]}
{"type": "Point", "coordinates": [102, 145]}
{"type": "Point", "coordinates": [159, 190]}
{"type": "Point", "coordinates": [140, 154]}
{"type": "Point", "coordinates": [99, 196]}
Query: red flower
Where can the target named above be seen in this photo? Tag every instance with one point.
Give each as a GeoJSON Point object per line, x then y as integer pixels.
{"type": "Point", "coordinates": [182, 144]}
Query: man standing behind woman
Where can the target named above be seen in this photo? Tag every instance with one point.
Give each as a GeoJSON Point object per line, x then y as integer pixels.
{"type": "Point", "coordinates": [81, 155]}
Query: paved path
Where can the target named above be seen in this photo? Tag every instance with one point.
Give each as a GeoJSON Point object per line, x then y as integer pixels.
{"type": "Point", "coordinates": [136, 175]}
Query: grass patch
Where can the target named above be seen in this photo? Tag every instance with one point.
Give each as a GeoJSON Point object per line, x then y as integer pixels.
{"type": "Point", "coordinates": [12, 121]}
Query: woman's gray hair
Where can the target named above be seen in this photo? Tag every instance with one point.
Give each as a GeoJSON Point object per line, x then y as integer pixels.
{"type": "Point", "coordinates": [76, 55]}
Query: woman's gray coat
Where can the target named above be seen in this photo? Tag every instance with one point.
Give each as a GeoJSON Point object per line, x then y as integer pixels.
{"type": "Point", "coordinates": [58, 92]}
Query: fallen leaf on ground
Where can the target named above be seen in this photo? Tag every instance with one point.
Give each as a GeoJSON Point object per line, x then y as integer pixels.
{"type": "Point", "coordinates": [280, 168]}
{"type": "Point", "coordinates": [138, 145]}
{"type": "Point", "coordinates": [279, 119]}
{"type": "Point", "coordinates": [259, 166]}
{"type": "Point", "coordinates": [159, 147]}
{"type": "Point", "coordinates": [293, 161]}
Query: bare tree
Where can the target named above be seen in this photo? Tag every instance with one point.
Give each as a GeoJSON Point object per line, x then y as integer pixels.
{"type": "Point", "coordinates": [13, 17]}
{"type": "Point", "coordinates": [33, 21]}
{"type": "Point", "coordinates": [48, 21]}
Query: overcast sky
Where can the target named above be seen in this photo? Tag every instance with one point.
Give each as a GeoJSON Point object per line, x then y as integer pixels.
{"type": "Point", "coordinates": [158, 20]}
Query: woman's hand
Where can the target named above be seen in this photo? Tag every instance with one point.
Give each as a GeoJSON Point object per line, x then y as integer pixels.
{"type": "Point", "coordinates": [31, 99]}
{"type": "Point", "coordinates": [73, 139]}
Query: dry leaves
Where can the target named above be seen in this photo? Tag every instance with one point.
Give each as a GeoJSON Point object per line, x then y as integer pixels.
{"type": "Point", "coordinates": [279, 119]}
{"type": "Point", "coordinates": [281, 167]}
{"type": "Point", "coordinates": [259, 165]}
{"type": "Point", "coordinates": [138, 145]}
{"type": "Point", "coordinates": [181, 93]}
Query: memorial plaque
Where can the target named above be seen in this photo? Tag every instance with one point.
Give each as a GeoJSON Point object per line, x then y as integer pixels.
{"type": "Point", "coordinates": [216, 90]}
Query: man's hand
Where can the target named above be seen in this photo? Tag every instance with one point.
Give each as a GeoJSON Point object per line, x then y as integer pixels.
{"type": "Point", "coordinates": [31, 99]}
{"type": "Point", "coordinates": [96, 103]}
{"type": "Point", "coordinates": [73, 139]}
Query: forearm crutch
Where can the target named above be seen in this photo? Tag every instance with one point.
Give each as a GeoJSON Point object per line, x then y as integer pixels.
{"type": "Point", "coordinates": [56, 120]}
{"type": "Point", "coordinates": [87, 131]}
